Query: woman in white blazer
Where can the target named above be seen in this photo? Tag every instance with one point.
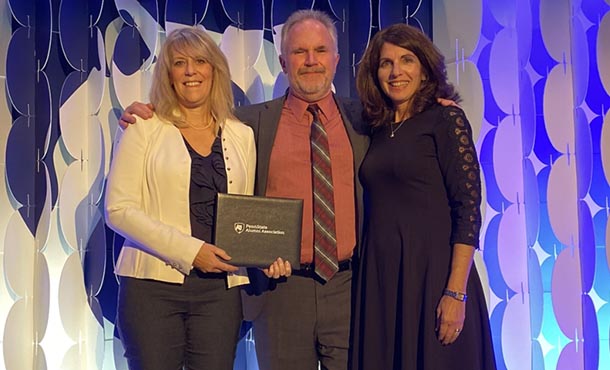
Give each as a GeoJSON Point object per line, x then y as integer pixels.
{"type": "Point", "coordinates": [176, 307]}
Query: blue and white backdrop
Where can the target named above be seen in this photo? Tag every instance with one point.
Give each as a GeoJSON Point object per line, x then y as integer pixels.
{"type": "Point", "coordinates": [535, 75]}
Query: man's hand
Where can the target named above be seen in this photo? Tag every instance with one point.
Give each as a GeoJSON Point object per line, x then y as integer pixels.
{"type": "Point", "coordinates": [441, 101]}
{"type": "Point", "coordinates": [278, 269]}
{"type": "Point", "coordinates": [210, 259]}
{"type": "Point", "coordinates": [141, 110]}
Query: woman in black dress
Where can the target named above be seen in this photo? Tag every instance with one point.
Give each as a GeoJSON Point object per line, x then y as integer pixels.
{"type": "Point", "coordinates": [419, 302]}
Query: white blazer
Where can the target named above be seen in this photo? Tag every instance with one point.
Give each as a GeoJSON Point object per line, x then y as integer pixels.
{"type": "Point", "coordinates": [147, 197]}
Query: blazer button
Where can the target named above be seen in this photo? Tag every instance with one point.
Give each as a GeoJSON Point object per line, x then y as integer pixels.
{"type": "Point", "coordinates": [228, 169]}
{"type": "Point", "coordinates": [230, 181]}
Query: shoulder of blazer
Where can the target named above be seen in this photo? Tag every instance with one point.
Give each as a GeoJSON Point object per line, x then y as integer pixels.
{"type": "Point", "coordinates": [352, 111]}
{"type": "Point", "coordinates": [250, 112]}
{"type": "Point", "coordinates": [349, 103]}
{"type": "Point", "coordinates": [149, 127]}
{"type": "Point", "coordinates": [252, 115]}
{"type": "Point", "coordinates": [236, 129]}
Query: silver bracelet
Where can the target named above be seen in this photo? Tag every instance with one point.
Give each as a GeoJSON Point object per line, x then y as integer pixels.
{"type": "Point", "coordinates": [462, 297]}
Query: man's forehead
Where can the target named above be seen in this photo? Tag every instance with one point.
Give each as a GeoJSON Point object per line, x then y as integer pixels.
{"type": "Point", "coordinates": [309, 27]}
{"type": "Point", "coordinates": [303, 35]}
{"type": "Point", "coordinates": [309, 44]}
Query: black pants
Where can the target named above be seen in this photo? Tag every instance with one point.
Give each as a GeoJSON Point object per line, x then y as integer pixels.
{"type": "Point", "coordinates": [166, 326]}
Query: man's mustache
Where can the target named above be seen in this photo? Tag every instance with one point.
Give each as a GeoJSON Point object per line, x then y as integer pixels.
{"type": "Point", "coordinates": [312, 70]}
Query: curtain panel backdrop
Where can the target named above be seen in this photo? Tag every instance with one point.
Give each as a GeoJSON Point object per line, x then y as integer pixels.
{"type": "Point", "coordinates": [535, 78]}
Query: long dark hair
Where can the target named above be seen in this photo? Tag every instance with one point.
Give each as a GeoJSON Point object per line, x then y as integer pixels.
{"type": "Point", "coordinates": [378, 108]}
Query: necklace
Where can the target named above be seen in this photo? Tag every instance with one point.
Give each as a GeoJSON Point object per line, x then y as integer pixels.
{"type": "Point", "coordinates": [398, 126]}
{"type": "Point", "coordinates": [203, 127]}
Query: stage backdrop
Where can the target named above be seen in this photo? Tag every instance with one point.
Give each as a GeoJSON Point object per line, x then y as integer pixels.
{"type": "Point", "coordinates": [535, 76]}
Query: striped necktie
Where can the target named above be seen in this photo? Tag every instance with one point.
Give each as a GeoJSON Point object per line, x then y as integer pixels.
{"type": "Point", "coordinates": [325, 241]}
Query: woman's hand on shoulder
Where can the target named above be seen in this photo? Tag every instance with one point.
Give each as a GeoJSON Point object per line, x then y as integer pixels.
{"type": "Point", "coordinates": [210, 258]}
{"type": "Point", "coordinates": [278, 269]}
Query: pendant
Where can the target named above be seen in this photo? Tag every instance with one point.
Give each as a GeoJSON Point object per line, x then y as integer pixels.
{"type": "Point", "coordinates": [392, 134]}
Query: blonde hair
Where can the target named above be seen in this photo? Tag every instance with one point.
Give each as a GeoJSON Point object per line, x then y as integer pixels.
{"type": "Point", "coordinates": [195, 43]}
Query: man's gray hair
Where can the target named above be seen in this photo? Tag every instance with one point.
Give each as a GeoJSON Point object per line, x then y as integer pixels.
{"type": "Point", "coordinates": [305, 14]}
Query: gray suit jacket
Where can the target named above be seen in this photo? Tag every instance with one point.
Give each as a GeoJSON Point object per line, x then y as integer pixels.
{"type": "Point", "coordinates": [264, 119]}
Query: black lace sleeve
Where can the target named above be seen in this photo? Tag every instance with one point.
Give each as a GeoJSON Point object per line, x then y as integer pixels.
{"type": "Point", "coordinates": [460, 166]}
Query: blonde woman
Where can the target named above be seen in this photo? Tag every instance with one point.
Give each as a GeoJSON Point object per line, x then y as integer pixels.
{"type": "Point", "coordinates": [177, 305]}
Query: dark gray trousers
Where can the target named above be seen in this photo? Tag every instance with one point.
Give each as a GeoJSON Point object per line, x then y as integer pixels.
{"type": "Point", "coordinates": [191, 326]}
{"type": "Point", "coordinates": [303, 322]}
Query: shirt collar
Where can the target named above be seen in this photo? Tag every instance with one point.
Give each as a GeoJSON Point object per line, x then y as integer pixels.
{"type": "Point", "coordinates": [299, 106]}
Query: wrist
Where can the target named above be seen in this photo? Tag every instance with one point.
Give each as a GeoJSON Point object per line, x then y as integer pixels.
{"type": "Point", "coordinates": [459, 296]}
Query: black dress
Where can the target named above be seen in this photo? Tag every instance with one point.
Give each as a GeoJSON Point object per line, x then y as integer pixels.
{"type": "Point", "coordinates": [422, 195]}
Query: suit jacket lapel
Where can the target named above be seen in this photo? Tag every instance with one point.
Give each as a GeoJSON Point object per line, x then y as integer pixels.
{"type": "Point", "coordinates": [269, 120]}
{"type": "Point", "coordinates": [351, 113]}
